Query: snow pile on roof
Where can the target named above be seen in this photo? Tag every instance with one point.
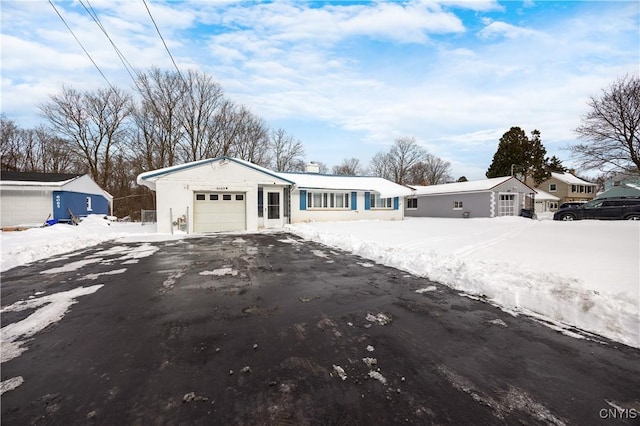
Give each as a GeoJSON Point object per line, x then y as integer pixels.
{"type": "Point", "coordinates": [469, 186]}
{"type": "Point", "coordinates": [301, 180]}
{"type": "Point", "coordinates": [542, 195]}
{"type": "Point", "coordinates": [569, 178]}
{"type": "Point", "coordinates": [385, 187]}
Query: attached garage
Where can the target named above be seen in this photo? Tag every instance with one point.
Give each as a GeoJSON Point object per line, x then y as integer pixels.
{"type": "Point", "coordinates": [218, 195]}
{"type": "Point", "coordinates": [219, 211]}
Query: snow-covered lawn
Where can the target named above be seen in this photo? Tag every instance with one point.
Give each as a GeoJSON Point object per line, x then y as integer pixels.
{"type": "Point", "coordinates": [584, 274]}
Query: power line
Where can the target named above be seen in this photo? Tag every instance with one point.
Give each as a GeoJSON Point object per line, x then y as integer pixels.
{"type": "Point", "coordinates": [163, 42]}
{"type": "Point", "coordinates": [85, 50]}
{"type": "Point", "coordinates": [127, 65]}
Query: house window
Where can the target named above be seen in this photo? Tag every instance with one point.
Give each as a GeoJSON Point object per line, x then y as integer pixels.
{"type": "Point", "coordinates": [553, 205]}
{"type": "Point", "coordinates": [89, 209]}
{"type": "Point", "coordinates": [457, 205]}
{"type": "Point", "coordinates": [328, 200]}
{"type": "Point", "coordinates": [412, 203]}
{"type": "Point", "coordinates": [380, 203]}
{"type": "Point", "coordinates": [260, 201]}
{"type": "Point", "coordinates": [553, 187]}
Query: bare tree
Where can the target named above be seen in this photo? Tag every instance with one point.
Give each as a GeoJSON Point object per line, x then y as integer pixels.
{"type": "Point", "coordinates": [35, 150]}
{"type": "Point", "coordinates": [397, 163]}
{"type": "Point", "coordinates": [611, 129]}
{"type": "Point", "coordinates": [10, 144]}
{"type": "Point", "coordinates": [287, 152]}
{"type": "Point", "coordinates": [379, 166]}
{"type": "Point", "coordinates": [159, 118]}
{"type": "Point", "coordinates": [202, 99]}
{"type": "Point", "coordinates": [251, 142]}
{"type": "Point", "coordinates": [95, 123]}
{"type": "Point", "coordinates": [432, 171]}
{"type": "Point", "coordinates": [349, 167]}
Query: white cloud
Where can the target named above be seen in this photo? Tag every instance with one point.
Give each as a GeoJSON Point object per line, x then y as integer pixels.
{"type": "Point", "coordinates": [497, 29]}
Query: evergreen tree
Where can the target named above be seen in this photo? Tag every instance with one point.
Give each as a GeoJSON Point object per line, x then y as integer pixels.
{"type": "Point", "coordinates": [520, 156]}
{"type": "Point", "coordinates": [555, 165]}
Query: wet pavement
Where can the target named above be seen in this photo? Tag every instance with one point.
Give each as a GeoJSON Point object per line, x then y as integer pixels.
{"type": "Point", "coordinates": [268, 329]}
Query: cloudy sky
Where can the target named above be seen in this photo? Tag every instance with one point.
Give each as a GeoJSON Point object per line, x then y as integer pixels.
{"type": "Point", "coordinates": [346, 78]}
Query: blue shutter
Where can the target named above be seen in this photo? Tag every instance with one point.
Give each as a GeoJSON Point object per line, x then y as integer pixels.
{"type": "Point", "coordinates": [303, 199]}
{"type": "Point", "coordinates": [367, 201]}
{"type": "Point", "coordinates": [354, 201]}
{"type": "Point", "coordinates": [396, 203]}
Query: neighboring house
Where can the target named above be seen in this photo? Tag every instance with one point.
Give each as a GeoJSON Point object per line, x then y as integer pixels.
{"type": "Point", "coordinates": [228, 194]}
{"type": "Point", "coordinates": [545, 202]}
{"type": "Point", "coordinates": [502, 196]}
{"type": "Point", "coordinates": [622, 190]}
{"type": "Point", "coordinates": [30, 199]}
{"type": "Point", "coordinates": [622, 179]}
{"type": "Point", "coordinates": [568, 188]}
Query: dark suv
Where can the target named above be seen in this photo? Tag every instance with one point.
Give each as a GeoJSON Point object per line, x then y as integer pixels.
{"type": "Point", "coordinates": [606, 208]}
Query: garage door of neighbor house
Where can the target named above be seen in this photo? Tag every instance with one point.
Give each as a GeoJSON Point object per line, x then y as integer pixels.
{"type": "Point", "coordinates": [219, 211]}
{"type": "Point", "coordinates": [507, 205]}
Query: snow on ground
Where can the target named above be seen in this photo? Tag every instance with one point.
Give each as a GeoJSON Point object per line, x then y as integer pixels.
{"type": "Point", "coordinates": [584, 274]}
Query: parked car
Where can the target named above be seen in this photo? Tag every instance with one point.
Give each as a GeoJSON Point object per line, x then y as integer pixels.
{"type": "Point", "coordinates": [616, 208]}
{"type": "Point", "coordinates": [571, 204]}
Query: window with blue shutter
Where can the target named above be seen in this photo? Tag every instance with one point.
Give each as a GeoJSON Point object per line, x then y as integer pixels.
{"type": "Point", "coordinates": [354, 201]}
{"type": "Point", "coordinates": [303, 199]}
{"type": "Point", "coordinates": [367, 201]}
{"type": "Point", "coordinates": [396, 203]}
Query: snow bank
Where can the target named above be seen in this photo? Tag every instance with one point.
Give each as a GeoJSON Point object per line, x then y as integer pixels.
{"type": "Point", "coordinates": [22, 247]}
{"type": "Point", "coordinates": [581, 274]}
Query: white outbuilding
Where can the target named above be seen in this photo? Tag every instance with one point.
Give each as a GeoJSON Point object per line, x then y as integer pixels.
{"type": "Point", "coordinates": [31, 199]}
{"type": "Point", "coordinates": [229, 194]}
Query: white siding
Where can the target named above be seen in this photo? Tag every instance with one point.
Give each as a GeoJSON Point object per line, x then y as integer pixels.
{"type": "Point", "coordinates": [175, 191]}
{"type": "Point", "coordinates": [26, 206]}
{"type": "Point", "coordinates": [325, 215]}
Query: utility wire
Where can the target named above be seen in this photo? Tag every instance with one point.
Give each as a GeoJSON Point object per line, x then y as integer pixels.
{"type": "Point", "coordinates": [85, 50]}
{"type": "Point", "coordinates": [127, 65]}
{"type": "Point", "coordinates": [163, 42]}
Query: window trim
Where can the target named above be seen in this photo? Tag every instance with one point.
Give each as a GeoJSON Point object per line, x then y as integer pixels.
{"type": "Point", "coordinates": [458, 204]}
{"type": "Point", "coordinates": [553, 187]}
{"type": "Point", "coordinates": [414, 201]}
{"type": "Point", "coordinates": [375, 199]}
{"type": "Point", "coordinates": [328, 200]}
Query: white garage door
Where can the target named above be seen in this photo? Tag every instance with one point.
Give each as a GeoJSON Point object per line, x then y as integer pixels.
{"type": "Point", "coordinates": [219, 211]}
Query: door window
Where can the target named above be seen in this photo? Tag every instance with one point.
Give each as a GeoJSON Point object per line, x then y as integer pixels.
{"type": "Point", "coordinates": [273, 205]}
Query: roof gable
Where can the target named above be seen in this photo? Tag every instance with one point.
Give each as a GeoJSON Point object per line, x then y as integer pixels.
{"type": "Point", "coordinates": [149, 178]}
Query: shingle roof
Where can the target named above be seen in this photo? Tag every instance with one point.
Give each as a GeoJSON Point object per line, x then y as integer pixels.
{"type": "Point", "coordinates": [37, 177]}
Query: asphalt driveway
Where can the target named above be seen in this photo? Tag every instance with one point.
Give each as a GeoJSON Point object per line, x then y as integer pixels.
{"type": "Point", "coordinates": [270, 329]}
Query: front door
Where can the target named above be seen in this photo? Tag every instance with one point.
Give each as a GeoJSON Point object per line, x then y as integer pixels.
{"type": "Point", "coordinates": [273, 209]}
